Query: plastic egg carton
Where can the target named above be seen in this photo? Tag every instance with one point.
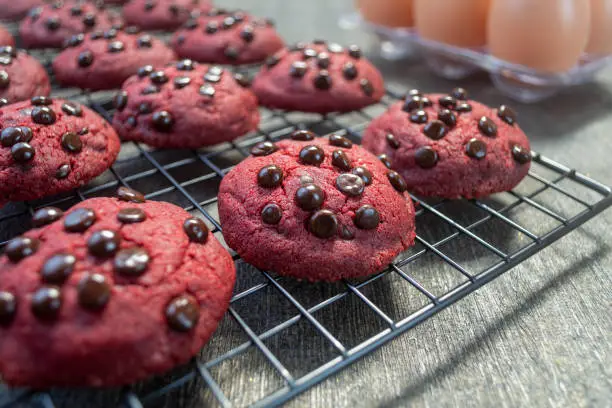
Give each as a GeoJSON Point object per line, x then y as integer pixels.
{"type": "Point", "coordinates": [517, 81]}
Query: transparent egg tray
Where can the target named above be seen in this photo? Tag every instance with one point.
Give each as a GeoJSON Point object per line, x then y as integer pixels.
{"type": "Point", "coordinates": [517, 81]}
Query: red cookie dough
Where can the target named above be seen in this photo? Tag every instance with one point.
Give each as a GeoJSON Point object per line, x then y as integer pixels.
{"type": "Point", "coordinates": [49, 26]}
{"type": "Point", "coordinates": [186, 105]}
{"type": "Point", "coordinates": [5, 37]}
{"type": "Point", "coordinates": [17, 9]}
{"type": "Point", "coordinates": [163, 14]}
{"type": "Point", "coordinates": [449, 146]}
{"type": "Point", "coordinates": [21, 76]}
{"type": "Point", "coordinates": [320, 78]}
{"type": "Point", "coordinates": [109, 293]}
{"type": "Point", "coordinates": [51, 146]}
{"type": "Point", "coordinates": [315, 209]}
{"type": "Point", "coordinates": [227, 38]}
{"type": "Point", "coordinates": [105, 60]}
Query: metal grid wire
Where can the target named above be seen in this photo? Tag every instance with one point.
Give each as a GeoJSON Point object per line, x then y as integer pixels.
{"type": "Point", "coordinates": [461, 245]}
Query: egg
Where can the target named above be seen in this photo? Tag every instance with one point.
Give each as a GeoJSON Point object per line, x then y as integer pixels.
{"type": "Point", "coordinates": [600, 39]}
{"type": "Point", "coordinates": [456, 22]}
{"type": "Point", "coordinates": [547, 35]}
{"type": "Point", "coordinates": [390, 13]}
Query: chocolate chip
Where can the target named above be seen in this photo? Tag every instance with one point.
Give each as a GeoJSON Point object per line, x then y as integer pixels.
{"type": "Point", "coordinates": [174, 9]}
{"type": "Point", "coordinates": [323, 81]}
{"type": "Point", "coordinates": [303, 135]}
{"type": "Point", "coordinates": [63, 171]}
{"type": "Point", "coordinates": [308, 53]}
{"type": "Point", "coordinates": [297, 47]}
{"type": "Point", "coordinates": [45, 216]}
{"type": "Point", "coordinates": [364, 173]}
{"type": "Point", "coordinates": [53, 23]}
{"type": "Point", "coordinates": [231, 53]}
{"type": "Point", "coordinates": [85, 59]}
{"type": "Point", "coordinates": [520, 154]}
{"type": "Point", "coordinates": [463, 107]}
{"type": "Point", "coordinates": [228, 22]}
{"type": "Point", "coordinates": [5, 80]}
{"type": "Point", "coordinates": [270, 176]}
{"type": "Point", "coordinates": [76, 10]}
{"type": "Point", "coordinates": [71, 142]}
{"type": "Point", "coordinates": [103, 243]}
{"type": "Point", "coordinates": [385, 160]}
{"type": "Point", "coordinates": [184, 65]}
{"type": "Point", "coordinates": [21, 247]}
{"type": "Point", "coordinates": [158, 77]}
{"type": "Point", "coordinates": [309, 197]}
{"type": "Point", "coordinates": [263, 149]}
{"type": "Point", "coordinates": [349, 71]}
{"type": "Point", "coordinates": [183, 313]}
{"type": "Point", "coordinates": [447, 117]}
{"type": "Point", "coordinates": [487, 127]}
{"type": "Point", "coordinates": [392, 141]}
{"type": "Point", "coordinates": [211, 28]}
{"type": "Point", "coordinates": [97, 35]}
{"type": "Point", "coordinates": [448, 102]}
{"type": "Point", "coordinates": [93, 291]}
{"type": "Point", "coordinates": [83, 131]}
{"type": "Point", "coordinates": [366, 217]}
{"type": "Point", "coordinates": [312, 155]}
{"type": "Point", "coordinates": [120, 100]}
{"type": "Point", "coordinates": [3, 102]}
{"type": "Point", "coordinates": [58, 268]}
{"type": "Point", "coordinates": [323, 60]}
{"type": "Point", "coordinates": [196, 230]}
{"type": "Point", "coordinates": [131, 215]}
{"type": "Point", "coordinates": [507, 114]}
{"type": "Point", "coordinates": [335, 48]}
{"type": "Point", "coordinates": [397, 181]}
{"type": "Point", "coordinates": [239, 16]}
{"type": "Point", "coordinates": [242, 80]}
{"type": "Point", "coordinates": [79, 220]}
{"type": "Point", "coordinates": [110, 34]}
{"type": "Point", "coordinates": [419, 117]}
{"type": "Point", "coordinates": [43, 115]}
{"type": "Point", "coordinates": [415, 102]}
{"type": "Point", "coordinates": [366, 87]}
{"type": "Point", "coordinates": [323, 224]}
{"type": "Point", "coordinates": [341, 160]}
{"type": "Point", "coordinates": [215, 70]}
{"type": "Point", "coordinates": [476, 149]}
{"type": "Point", "coordinates": [146, 70]}
{"type": "Point", "coordinates": [435, 130]}
{"type": "Point", "coordinates": [210, 77]}
{"type": "Point", "coordinates": [149, 5]}
{"type": "Point", "coordinates": [22, 152]}
{"type": "Point", "coordinates": [346, 234]}
{"type": "Point", "coordinates": [72, 109]}
{"type": "Point", "coordinates": [6, 60]}
{"type": "Point", "coordinates": [181, 82]}
{"type": "Point", "coordinates": [298, 69]}
{"type": "Point", "coordinates": [130, 196]}
{"type": "Point", "coordinates": [272, 61]}
{"type": "Point", "coordinates": [340, 141]}
{"type": "Point", "coordinates": [131, 262]}
{"type": "Point", "coordinates": [207, 90]}
{"type": "Point", "coordinates": [9, 50]}
{"type": "Point", "coordinates": [350, 184]}
{"type": "Point", "coordinates": [8, 308]}
{"type": "Point", "coordinates": [426, 157]}
{"type": "Point", "coordinates": [271, 214]}
{"type": "Point", "coordinates": [459, 93]}
{"type": "Point", "coordinates": [163, 121]}
{"type": "Point", "coordinates": [41, 101]}
{"type": "Point", "coordinates": [46, 303]}
{"type": "Point", "coordinates": [12, 135]}
{"type": "Point", "coordinates": [145, 108]}
{"type": "Point", "coordinates": [247, 34]}
{"type": "Point", "coordinates": [89, 20]}
{"type": "Point", "coordinates": [144, 41]}
{"type": "Point", "coordinates": [149, 89]}
{"type": "Point", "coordinates": [354, 51]}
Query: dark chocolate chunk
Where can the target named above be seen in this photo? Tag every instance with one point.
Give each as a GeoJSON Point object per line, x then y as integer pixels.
{"type": "Point", "coordinates": [41, 101]}
{"type": "Point", "coordinates": [79, 220]}
{"type": "Point", "coordinates": [207, 90]}
{"type": "Point", "coordinates": [341, 160]}
{"type": "Point", "coordinates": [312, 155]}
{"type": "Point", "coordinates": [247, 34]}
{"type": "Point", "coordinates": [45, 216]}
{"type": "Point", "coordinates": [298, 69]}
{"type": "Point", "coordinates": [149, 89]}
{"type": "Point", "coordinates": [144, 41]}
{"type": "Point", "coordinates": [53, 23]}
{"type": "Point", "coordinates": [435, 130]}
{"type": "Point", "coordinates": [392, 141]}
{"type": "Point", "coordinates": [184, 65]}
{"type": "Point", "coordinates": [46, 303]}
{"type": "Point", "coordinates": [487, 127]}
{"type": "Point", "coordinates": [309, 197]}
{"type": "Point", "coordinates": [340, 141]}
{"type": "Point", "coordinates": [397, 181]}
{"type": "Point", "coordinates": [476, 149]}
{"type": "Point", "coordinates": [448, 102]}
{"type": "Point", "coordinates": [385, 160]}
{"type": "Point", "coordinates": [130, 196]}
{"type": "Point", "coordinates": [242, 80]}
{"type": "Point", "coordinates": [459, 93]}
{"type": "Point", "coordinates": [270, 176]}
{"type": "Point", "coordinates": [271, 214]}
{"type": "Point", "coordinates": [131, 262]}
{"type": "Point", "coordinates": [162, 121]}
{"type": "Point", "coordinates": [366, 87]}
{"type": "Point", "coordinates": [323, 80]}
{"type": "Point", "coordinates": [211, 27]}
{"type": "Point", "coordinates": [89, 20]}
{"type": "Point", "coordinates": [8, 308]}
{"type": "Point", "coordinates": [366, 217]}
{"type": "Point", "coordinates": [263, 149]}
{"type": "Point", "coordinates": [335, 48]}
{"type": "Point", "coordinates": [232, 53]}
{"type": "Point", "coordinates": [158, 77]}
{"type": "Point", "coordinates": [181, 82]}
{"type": "Point", "coordinates": [85, 59]}
{"type": "Point", "coordinates": [13, 135]}
{"type": "Point", "coordinates": [426, 157]}
{"type": "Point", "coordinates": [21, 247]}
{"type": "Point", "coordinates": [131, 215]}
{"type": "Point", "coordinates": [520, 154]}
{"type": "Point", "coordinates": [272, 61]}
{"type": "Point", "coordinates": [447, 117]}
{"type": "Point", "coordinates": [308, 53]}
{"type": "Point", "coordinates": [463, 107]}
{"type": "Point", "coordinates": [183, 313]}
{"type": "Point", "coordinates": [72, 109]}
{"type": "Point", "coordinates": [103, 243]}
{"type": "Point", "coordinates": [354, 51]}
{"type": "Point", "coordinates": [303, 135]}
{"type": "Point", "coordinates": [93, 291]}
{"type": "Point", "coordinates": [419, 117]}
{"type": "Point", "coordinates": [22, 152]}
{"type": "Point", "coordinates": [507, 114]}
{"type": "Point", "coordinates": [71, 142]}
{"type": "Point", "coordinates": [323, 60]}
{"type": "Point", "coordinates": [364, 173]}
{"type": "Point", "coordinates": [146, 70]}
{"type": "Point", "coordinates": [196, 230]}
{"type": "Point", "coordinates": [349, 71]}
{"type": "Point", "coordinates": [62, 171]}
{"type": "Point", "coordinates": [58, 268]}
{"type": "Point", "coordinates": [43, 115]}
{"type": "Point", "coordinates": [323, 224]}
{"type": "Point", "coordinates": [5, 80]}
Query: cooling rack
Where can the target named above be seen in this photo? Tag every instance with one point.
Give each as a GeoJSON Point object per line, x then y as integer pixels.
{"type": "Point", "coordinates": [289, 335]}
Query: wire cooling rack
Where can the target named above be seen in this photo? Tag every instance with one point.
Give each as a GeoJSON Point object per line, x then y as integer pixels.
{"type": "Point", "coordinates": [285, 335]}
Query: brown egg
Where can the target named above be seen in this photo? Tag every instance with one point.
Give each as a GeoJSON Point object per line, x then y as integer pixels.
{"type": "Point", "coordinates": [600, 40]}
{"type": "Point", "coordinates": [462, 23]}
{"type": "Point", "coordinates": [547, 35]}
{"type": "Point", "coordinates": [390, 13]}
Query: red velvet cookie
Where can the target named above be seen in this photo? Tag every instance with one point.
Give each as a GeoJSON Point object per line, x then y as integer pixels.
{"type": "Point", "coordinates": [105, 60]}
{"type": "Point", "coordinates": [51, 146]}
{"type": "Point", "coordinates": [186, 105]}
{"type": "Point", "coordinates": [5, 37]}
{"type": "Point", "coordinates": [227, 38]}
{"type": "Point", "coordinates": [315, 209]}
{"type": "Point", "coordinates": [49, 26]}
{"type": "Point", "coordinates": [449, 146]}
{"type": "Point", "coordinates": [109, 293]}
{"type": "Point", "coordinates": [163, 14]}
{"type": "Point", "coordinates": [21, 76]}
{"type": "Point", "coordinates": [17, 9]}
{"type": "Point", "coordinates": [318, 78]}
